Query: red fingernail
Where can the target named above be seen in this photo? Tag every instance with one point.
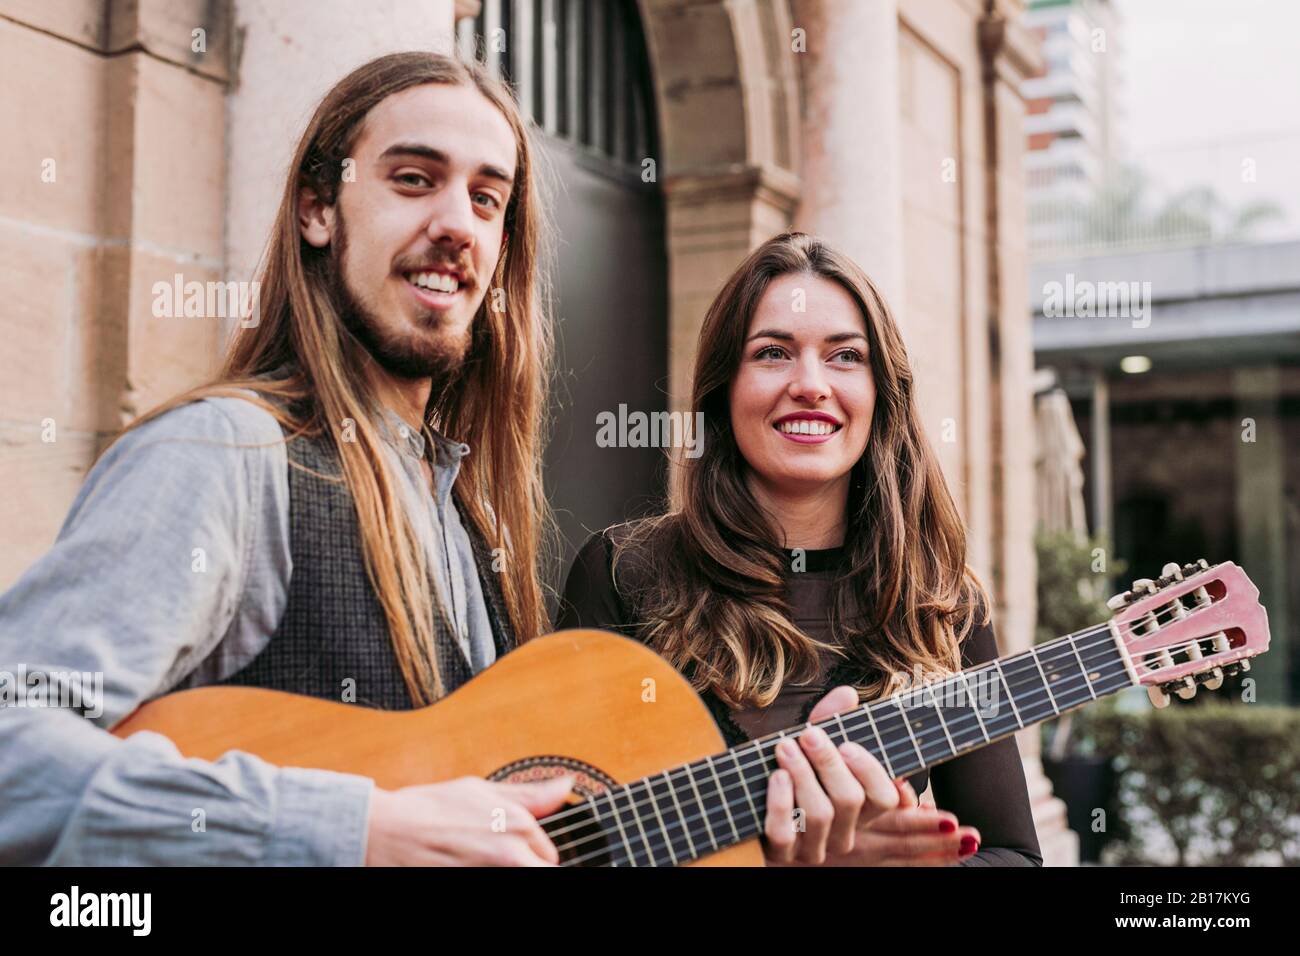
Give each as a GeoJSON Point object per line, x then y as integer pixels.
{"type": "Point", "coordinates": [969, 845]}
{"type": "Point", "coordinates": [947, 826]}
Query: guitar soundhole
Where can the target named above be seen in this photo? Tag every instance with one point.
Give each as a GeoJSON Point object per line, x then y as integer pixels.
{"type": "Point", "coordinates": [575, 830]}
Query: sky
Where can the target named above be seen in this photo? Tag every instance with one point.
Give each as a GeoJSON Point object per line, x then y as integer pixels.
{"type": "Point", "coordinates": [1208, 84]}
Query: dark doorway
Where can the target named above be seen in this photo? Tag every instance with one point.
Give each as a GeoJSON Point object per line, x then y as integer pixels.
{"type": "Point", "coordinates": [612, 349]}
{"type": "Point", "coordinates": [580, 69]}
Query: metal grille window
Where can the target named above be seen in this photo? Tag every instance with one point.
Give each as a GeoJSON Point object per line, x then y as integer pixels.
{"type": "Point", "coordinates": [578, 67]}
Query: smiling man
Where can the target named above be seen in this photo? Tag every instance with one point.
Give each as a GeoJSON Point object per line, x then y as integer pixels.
{"type": "Point", "coordinates": [324, 518]}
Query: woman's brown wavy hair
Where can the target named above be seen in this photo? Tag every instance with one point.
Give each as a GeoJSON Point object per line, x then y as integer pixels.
{"type": "Point", "coordinates": [714, 605]}
{"type": "Point", "coordinates": [497, 404]}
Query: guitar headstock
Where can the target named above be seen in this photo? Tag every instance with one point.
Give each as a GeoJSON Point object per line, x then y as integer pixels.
{"type": "Point", "coordinates": [1193, 625]}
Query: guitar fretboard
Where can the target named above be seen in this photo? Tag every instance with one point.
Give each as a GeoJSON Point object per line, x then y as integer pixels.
{"type": "Point", "coordinates": [695, 809]}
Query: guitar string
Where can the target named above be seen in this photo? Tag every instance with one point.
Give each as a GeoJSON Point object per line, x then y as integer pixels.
{"type": "Point", "coordinates": [636, 803]}
{"type": "Point", "coordinates": [748, 827]}
{"type": "Point", "coordinates": [729, 790]}
{"type": "Point", "coordinates": [1119, 672]}
{"type": "Point", "coordinates": [1091, 631]}
{"type": "Point", "coordinates": [742, 781]}
{"type": "Point", "coordinates": [651, 851]}
{"type": "Point", "coordinates": [858, 723]}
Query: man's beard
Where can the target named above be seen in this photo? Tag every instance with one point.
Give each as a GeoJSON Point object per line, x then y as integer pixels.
{"type": "Point", "coordinates": [405, 355]}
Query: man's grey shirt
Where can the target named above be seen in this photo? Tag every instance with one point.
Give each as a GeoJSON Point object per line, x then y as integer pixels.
{"type": "Point", "coordinates": [172, 571]}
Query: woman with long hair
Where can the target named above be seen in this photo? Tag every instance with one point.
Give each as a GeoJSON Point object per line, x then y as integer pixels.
{"type": "Point", "coordinates": [813, 546]}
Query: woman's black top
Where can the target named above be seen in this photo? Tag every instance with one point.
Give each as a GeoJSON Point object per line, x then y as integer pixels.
{"type": "Point", "coordinates": [984, 788]}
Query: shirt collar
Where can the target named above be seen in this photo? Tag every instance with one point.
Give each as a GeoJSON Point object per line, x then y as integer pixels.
{"type": "Point", "coordinates": [409, 441]}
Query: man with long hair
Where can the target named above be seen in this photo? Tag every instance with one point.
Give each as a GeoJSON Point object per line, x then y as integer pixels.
{"type": "Point", "coordinates": [352, 509]}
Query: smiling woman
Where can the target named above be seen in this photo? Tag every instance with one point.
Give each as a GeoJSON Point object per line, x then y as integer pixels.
{"type": "Point", "coordinates": [816, 559]}
{"type": "Point", "coordinates": [801, 402]}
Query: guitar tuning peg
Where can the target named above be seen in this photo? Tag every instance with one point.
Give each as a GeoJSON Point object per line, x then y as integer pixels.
{"type": "Point", "coordinates": [1243, 664]}
{"type": "Point", "coordinates": [1118, 602]}
{"type": "Point", "coordinates": [1187, 690]}
{"type": "Point", "coordinates": [1158, 697]}
{"type": "Point", "coordinates": [1172, 570]}
{"type": "Point", "coordinates": [1144, 586]}
{"type": "Point", "coordinates": [1213, 679]}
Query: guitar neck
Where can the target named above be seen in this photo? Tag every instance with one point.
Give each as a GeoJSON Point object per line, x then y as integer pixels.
{"type": "Point", "coordinates": [698, 808]}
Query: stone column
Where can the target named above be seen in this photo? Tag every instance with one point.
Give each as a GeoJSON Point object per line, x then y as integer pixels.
{"type": "Point", "coordinates": [851, 140]}
{"type": "Point", "coordinates": [1260, 464]}
{"type": "Point", "coordinates": [714, 221]}
{"type": "Point", "coordinates": [726, 97]}
{"type": "Point", "coordinates": [1102, 476]}
{"type": "Point", "coordinates": [162, 194]}
{"type": "Point", "coordinates": [1008, 55]}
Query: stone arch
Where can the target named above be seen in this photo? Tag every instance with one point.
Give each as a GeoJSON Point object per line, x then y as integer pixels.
{"type": "Point", "coordinates": [727, 96]}
{"type": "Point", "coordinates": [726, 81]}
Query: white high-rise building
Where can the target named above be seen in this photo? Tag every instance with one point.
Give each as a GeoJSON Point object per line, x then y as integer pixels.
{"type": "Point", "coordinates": [1074, 117]}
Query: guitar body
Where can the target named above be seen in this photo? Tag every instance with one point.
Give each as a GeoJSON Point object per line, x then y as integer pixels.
{"type": "Point", "coordinates": [586, 702]}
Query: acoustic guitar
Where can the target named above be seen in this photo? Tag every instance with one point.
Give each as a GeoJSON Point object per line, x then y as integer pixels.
{"type": "Point", "coordinates": [655, 784]}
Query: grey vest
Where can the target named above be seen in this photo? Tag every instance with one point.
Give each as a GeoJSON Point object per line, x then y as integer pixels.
{"type": "Point", "coordinates": [333, 629]}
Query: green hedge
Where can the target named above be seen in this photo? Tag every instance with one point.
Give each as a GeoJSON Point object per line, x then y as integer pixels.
{"type": "Point", "coordinates": [1210, 784]}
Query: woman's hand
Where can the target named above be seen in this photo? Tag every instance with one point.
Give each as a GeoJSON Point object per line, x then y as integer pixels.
{"type": "Point", "coordinates": [837, 790]}
{"type": "Point", "coordinates": [910, 835]}
{"type": "Point", "coordinates": [853, 814]}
